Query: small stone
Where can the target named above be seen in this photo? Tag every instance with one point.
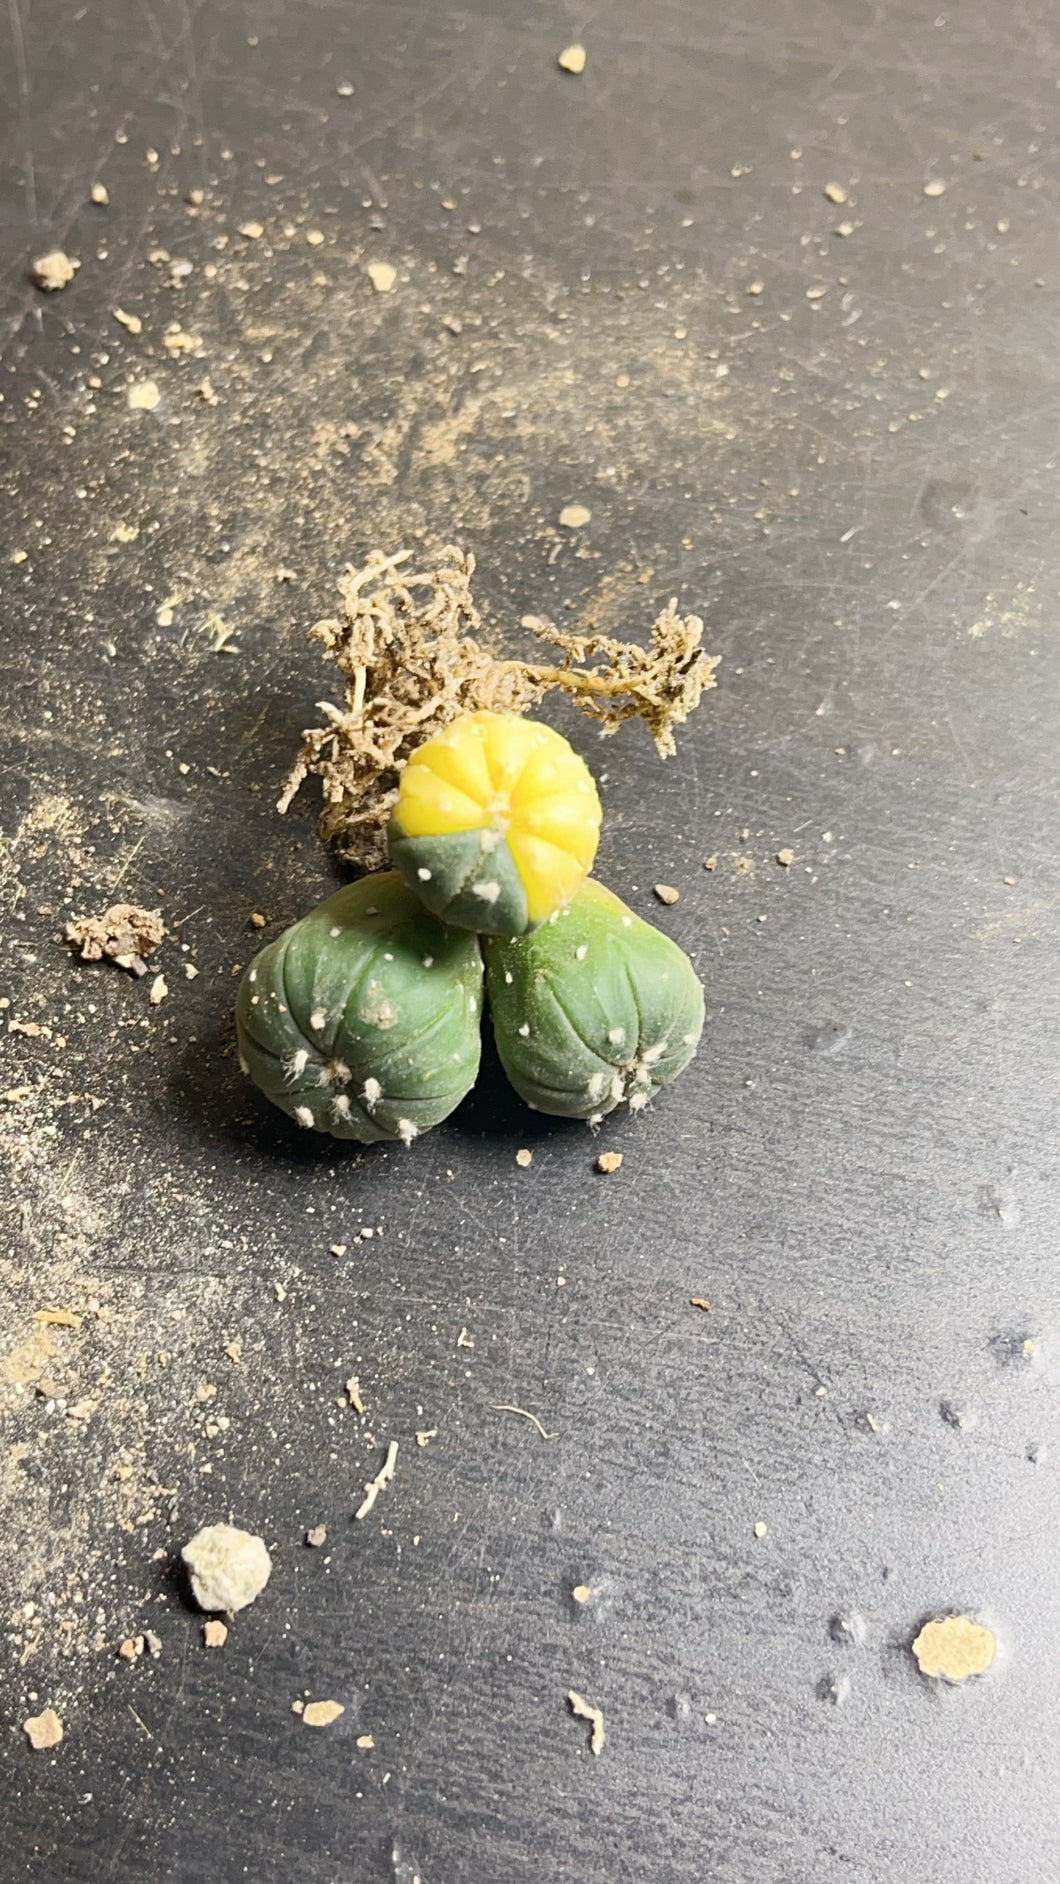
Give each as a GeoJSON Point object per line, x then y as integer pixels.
{"type": "Point", "coordinates": [936, 187]}
{"type": "Point", "coordinates": [844, 229]}
{"type": "Point", "coordinates": [666, 893]}
{"type": "Point", "coordinates": [951, 1648]}
{"type": "Point", "coordinates": [574, 516]}
{"type": "Point", "coordinates": [609, 1161]}
{"type": "Point", "coordinates": [130, 321]}
{"type": "Point", "coordinates": [314, 237]}
{"type": "Point", "coordinates": [835, 192]}
{"type": "Point", "coordinates": [524, 1158]}
{"type": "Point", "coordinates": [153, 1644]}
{"type": "Point", "coordinates": [710, 863]}
{"type": "Point", "coordinates": [383, 276]}
{"type": "Point", "coordinates": [761, 1527]}
{"type": "Point", "coordinates": [142, 396]}
{"type": "Point", "coordinates": [756, 287]}
{"type": "Point", "coordinates": [816, 294]}
{"type": "Point", "coordinates": [258, 919]}
{"type": "Point", "coordinates": [785, 858]}
{"type": "Point", "coordinates": [252, 230]}
{"type": "Point", "coordinates": [365, 1742]}
{"type": "Point", "coordinates": [322, 1713]}
{"type": "Point", "coordinates": [100, 193]}
{"type": "Point", "coordinates": [158, 991]}
{"type": "Point", "coordinates": [572, 59]}
{"type": "Point", "coordinates": [131, 1649]}
{"type": "Point", "coordinates": [317, 1536]}
{"type": "Point", "coordinates": [54, 270]}
{"type": "Point", "coordinates": [44, 1730]}
{"type": "Point", "coordinates": [214, 1634]}
{"type": "Point", "coordinates": [228, 1567]}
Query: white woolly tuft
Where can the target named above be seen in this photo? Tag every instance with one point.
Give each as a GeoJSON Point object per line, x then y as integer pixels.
{"type": "Point", "coordinates": [303, 1115]}
{"type": "Point", "coordinates": [371, 1093]}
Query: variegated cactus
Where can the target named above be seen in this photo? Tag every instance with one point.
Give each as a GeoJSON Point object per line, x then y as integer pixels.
{"type": "Point", "coordinates": [363, 1019]}
{"type": "Point", "coordinates": [594, 1008]}
{"type": "Point", "coordinates": [496, 823]}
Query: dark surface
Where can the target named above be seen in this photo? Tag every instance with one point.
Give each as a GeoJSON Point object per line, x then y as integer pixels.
{"type": "Point", "coordinates": [860, 1168]}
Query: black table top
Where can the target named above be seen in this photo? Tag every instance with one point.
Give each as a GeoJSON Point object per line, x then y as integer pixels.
{"type": "Point", "coordinates": [629, 290]}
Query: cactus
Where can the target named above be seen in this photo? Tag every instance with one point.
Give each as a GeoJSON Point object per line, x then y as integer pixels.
{"type": "Point", "coordinates": [594, 1008]}
{"type": "Point", "coordinates": [496, 823]}
{"type": "Point", "coordinates": [363, 1020]}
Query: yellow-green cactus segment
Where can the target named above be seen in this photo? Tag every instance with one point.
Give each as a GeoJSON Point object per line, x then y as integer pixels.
{"type": "Point", "coordinates": [594, 1008]}
{"type": "Point", "coordinates": [364, 1019]}
{"type": "Point", "coordinates": [496, 823]}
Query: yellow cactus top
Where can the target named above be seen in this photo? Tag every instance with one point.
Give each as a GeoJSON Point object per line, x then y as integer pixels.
{"type": "Point", "coordinates": [521, 786]}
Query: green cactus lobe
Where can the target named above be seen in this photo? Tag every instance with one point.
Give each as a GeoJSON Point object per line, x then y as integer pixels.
{"type": "Point", "coordinates": [467, 878]}
{"type": "Point", "coordinates": [364, 1018]}
{"type": "Point", "coordinates": [594, 1008]}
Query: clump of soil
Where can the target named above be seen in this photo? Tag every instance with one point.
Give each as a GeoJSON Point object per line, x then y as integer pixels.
{"type": "Point", "coordinates": [413, 664]}
{"type": "Point", "coordinates": [124, 933]}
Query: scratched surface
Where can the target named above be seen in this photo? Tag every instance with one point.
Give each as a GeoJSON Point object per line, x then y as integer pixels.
{"type": "Point", "coordinates": [840, 450]}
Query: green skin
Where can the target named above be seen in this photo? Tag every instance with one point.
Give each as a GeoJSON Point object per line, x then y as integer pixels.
{"type": "Point", "coordinates": [593, 1008]}
{"type": "Point", "coordinates": [364, 1019]}
{"type": "Point", "coordinates": [467, 878]}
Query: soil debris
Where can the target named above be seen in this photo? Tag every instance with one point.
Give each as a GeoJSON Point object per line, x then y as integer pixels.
{"type": "Point", "coordinates": [609, 1161]}
{"type": "Point", "coordinates": [936, 187]}
{"type": "Point", "coordinates": [99, 193]}
{"type": "Point", "coordinates": [836, 192]}
{"type": "Point", "coordinates": [365, 1742]}
{"type": "Point", "coordinates": [228, 1567]}
{"type": "Point", "coordinates": [583, 1710]}
{"type": "Point", "coordinates": [572, 59]}
{"type": "Point", "coordinates": [158, 991]}
{"type": "Point", "coordinates": [44, 1730]}
{"type": "Point", "coordinates": [761, 1527]}
{"type": "Point", "coordinates": [700, 1301]}
{"type": "Point", "coordinates": [951, 1648]}
{"type": "Point", "coordinates": [574, 516]}
{"type": "Point", "coordinates": [353, 1394]}
{"type": "Point", "coordinates": [524, 1159]}
{"type": "Point", "coordinates": [317, 1536]}
{"type": "Point", "coordinates": [666, 893]}
{"type": "Point", "coordinates": [322, 1713]}
{"type": "Point", "coordinates": [379, 1482]}
{"type": "Point", "coordinates": [54, 270]}
{"type": "Point", "coordinates": [58, 1317]}
{"type": "Point", "coordinates": [383, 277]}
{"type": "Point", "coordinates": [412, 664]}
{"type": "Point", "coordinates": [124, 934]}
{"type": "Point", "coordinates": [503, 1407]}
{"type": "Point", "coordinates": [214, 1633]}
{"type": "Point", "coordinates": [130, 321]}
{"type": "Point", "coordinates": [143, 396]}
{"type": "Point", "coordinates": [785, 858]}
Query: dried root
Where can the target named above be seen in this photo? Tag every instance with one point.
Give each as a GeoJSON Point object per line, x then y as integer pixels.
{"type": "Point", "coordinates": [412, 664]}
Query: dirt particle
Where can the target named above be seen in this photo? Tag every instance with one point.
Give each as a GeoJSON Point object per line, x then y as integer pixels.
{"type": "Point", "coordinates": [524, 1158]}
{"type": "Point", "coordinates": [317, 1536]}
{"type": "Point", "coordinates": [365, 1742]}
{"type": "Point", "coordinates": [253, 231]}
{"type": "Point", "coordinates": [57, 1317]}
{"type": "Point", "coordinates": [376, 1485]}
{"type": "Point", "coordinates": [950, 1648]}
{"type": "Point", "coordinates": [54, 270]}
{"type": "Point", "coordinates": [43, 1730]}
{"type": "Point", "coordinates": [700, 1301]}
{"type": "Point", "coordinates": [572, 59]}
{"type": "Point", "coordinates": [383, 276]}
{"type": "Point", "coordinates": [214, 1633]}
{"type": "Point", "coordinates": [142, 396]}
{"type": "Point", "coordinates": [844, 229]}
{"type": "Point", "coordinates": [836, 192]}
{"type": "Point", "coordinates": [353, 1394]}
{"type": "Point", "coordinates": [755, 287]}
{"type": "Point", "coordinates": [761, 1527]}
{"type": "Point", "coordinates": [124, 934]}
{"type": "Point", "coordinates": [228, 1567]}
{"type": "Point", "coordinates": [583, 1710]}
{"type": "Point", "coordinates": [710, 863]}
{"type": "Point", "coordinates": [314, 237]}
{"type": "Point", "coordinates": [322, 1713]}
{"type": "Point", "coordinates": [574, 516]}
{"type": "Point", "coordinates": [816, 293]}
{"type": "Point", "coordinates": [935, 187]}
{"type": "Point", "coordinates": [785, 858]}
{"type": "Point", "coordinates": [609, 1161]}
{"type": "Point", "coordinates": [158, 991]}
{"type": "Point", "coordinates": [425, 1435]}
{"type": "Point", "coordinates": [99, 193]}
{"type": "Point", "coordinates": [666, 893]}
{"type": "Point", "coordinates": [131, 321]}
